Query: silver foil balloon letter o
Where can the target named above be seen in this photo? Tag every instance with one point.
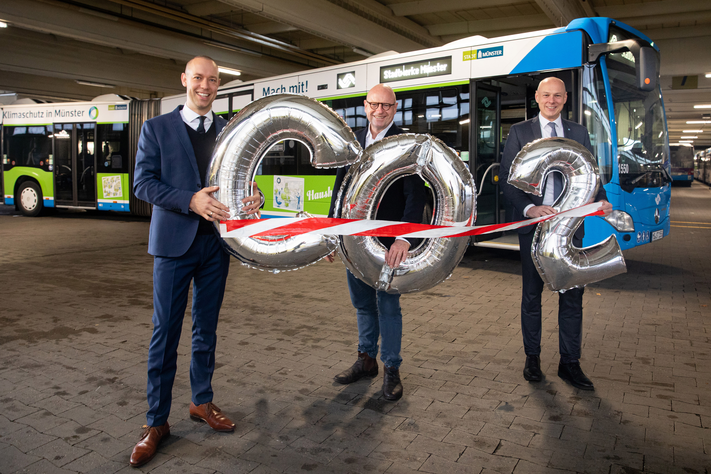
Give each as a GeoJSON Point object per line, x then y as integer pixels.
{"type": "Point", "coordinates": [365, 185]}
{"type": "Point", "coordinates": [561, 265]}
{"type": "Point", "coordinates": [241, 146]}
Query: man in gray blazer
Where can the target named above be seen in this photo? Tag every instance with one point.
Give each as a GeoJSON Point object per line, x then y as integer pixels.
{"type": "Point", "coordinates": [551, 97]}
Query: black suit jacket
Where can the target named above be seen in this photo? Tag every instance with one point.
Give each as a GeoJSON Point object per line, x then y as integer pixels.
{"type": "Point", "coordinates": [521, 134]}
{"type": "Point", "coordinates": [404, 201]}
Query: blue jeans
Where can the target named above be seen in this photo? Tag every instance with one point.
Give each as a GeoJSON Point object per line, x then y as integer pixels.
{"type": "Point", "coordinates": [378, 314]}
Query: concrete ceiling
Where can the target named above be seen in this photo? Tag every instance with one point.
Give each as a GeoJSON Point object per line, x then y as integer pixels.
{"type": "Point", "coordinates": [139, 47]}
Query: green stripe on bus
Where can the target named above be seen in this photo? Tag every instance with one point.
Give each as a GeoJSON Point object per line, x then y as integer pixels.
{"type": "Point", "coordinates": [432, 86]}
{"type": "Point", "coordinates": [414, 88]}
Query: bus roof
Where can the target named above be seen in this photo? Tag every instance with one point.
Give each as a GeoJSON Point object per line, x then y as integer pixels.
{"type": "Point", "coordinates": [454, 63]}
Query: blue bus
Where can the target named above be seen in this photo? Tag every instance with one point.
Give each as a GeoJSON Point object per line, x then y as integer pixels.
{"type": "Point", "coordinates": [470, 92]}
{"type": "Point", "coordinates": [682, 163]}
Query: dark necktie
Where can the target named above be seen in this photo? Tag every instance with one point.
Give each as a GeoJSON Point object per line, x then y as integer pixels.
{"type": "Point", "coordinates": [557, 179]}
{"type": "Point", "coordinates": [552, 126]}
{"type": "Point", "coordinates": [201, 127]}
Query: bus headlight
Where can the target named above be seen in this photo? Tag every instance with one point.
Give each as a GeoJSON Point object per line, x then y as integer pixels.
{"type": "Point", "coordinates": [621, 221]}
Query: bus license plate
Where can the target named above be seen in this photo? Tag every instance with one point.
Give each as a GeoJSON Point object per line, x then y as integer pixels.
{"type": "Point", "coordinates": [657, 234]}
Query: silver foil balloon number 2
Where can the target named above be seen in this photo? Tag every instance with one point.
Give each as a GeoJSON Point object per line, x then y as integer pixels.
{"type": "Point", "coordinates": [559, 262]}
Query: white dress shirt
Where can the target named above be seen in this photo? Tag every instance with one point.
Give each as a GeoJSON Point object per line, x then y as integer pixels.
{"type": "Point", "coordinates": [369, 140]}
{"type": "Point", "coordinates": [549, 193]}
{"type": "Point", "coordinates": [192, 118]}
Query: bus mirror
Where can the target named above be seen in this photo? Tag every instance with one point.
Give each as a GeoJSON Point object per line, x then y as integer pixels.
{"type": "Point", "coordinates": [646, 69]}
{"type": "Point", "coordinates": [640, 52]}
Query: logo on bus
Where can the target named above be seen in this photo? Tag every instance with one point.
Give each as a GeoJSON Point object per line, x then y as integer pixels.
{"type": "Point", "coordinates": [346, 80]}
{"type": "Point", "coordinates": [93, 113]}
{"type": "Point", "coordinates": [416, 69]}
{"type": "Point", "coordinates": [483, 53]}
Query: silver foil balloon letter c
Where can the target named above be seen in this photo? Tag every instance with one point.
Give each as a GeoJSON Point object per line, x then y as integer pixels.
{"type": "Point", "coordinates": [239, 149]}
{"type": "Point", "coordinates": [563, 266]}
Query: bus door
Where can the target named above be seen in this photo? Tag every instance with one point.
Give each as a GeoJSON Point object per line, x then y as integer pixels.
{"type": "Point", "coordinates": [486, 137]}
{"type": "Point", "coordinates": [74, 165]}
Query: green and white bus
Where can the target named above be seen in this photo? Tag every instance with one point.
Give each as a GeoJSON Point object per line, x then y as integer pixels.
{"type": "Point", "coordinates": [77, 155]}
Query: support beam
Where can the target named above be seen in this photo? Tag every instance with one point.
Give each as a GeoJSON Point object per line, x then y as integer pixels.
{"type": "Point", "coordinates": [334, 23]}
{"type": "Point", "coordinates": [72, 23]}
{"type": "Point", "coordinates": [663, 7]}
{"type": "Point", "coordinates": [587, 6]}
{"type": "Point", "coordinates": [482, 26]}
{"type": "Point", "coordinates": [685, 56]}
{"type": "Point", "coordinates": [212, 7]}
{"type": "Point", "coordinates": [380, 14]}
{"type": "Point", "coordinates": [53, 57]}
{"type": "Point", "coordinates": [561, 12]}
{"type": "Point", "coordinates": [55, 89]}
{"type": "Point", "coordinates": [423, 7]}
{"type": "Point", "coordinates": [272, 27]}
{"type": "Point", "coordinates": [698, 31]}
{"type": "Point", "coordinates": [640, 21]}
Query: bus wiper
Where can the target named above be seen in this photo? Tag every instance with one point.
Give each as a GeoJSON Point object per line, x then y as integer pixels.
{"type": "Point", "coordinates": [667, 178]}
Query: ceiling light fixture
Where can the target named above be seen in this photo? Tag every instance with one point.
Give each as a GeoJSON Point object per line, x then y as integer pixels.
{"type": "Point", "coordinates": [697, 121]}
{"type": "Point", "coordinates": [692, 131]}
{"type": "Point", "coordinates": [94, 84]}
{"type": "Point", "coordinates": [703, 106]}
{"type": "Point", "coordinates": [226, 70]}
{"type": "Point", "coordinates": [691, 136]}
{"type": "Point", "coordinates": [362, 52]}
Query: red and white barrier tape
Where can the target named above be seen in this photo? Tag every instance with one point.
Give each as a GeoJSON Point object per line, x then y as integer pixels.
{"type": "Point", "coordinates": [293, 226]}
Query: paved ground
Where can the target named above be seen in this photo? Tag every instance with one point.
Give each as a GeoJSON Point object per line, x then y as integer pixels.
{"type": "Point", "coordinates": [76, 309]}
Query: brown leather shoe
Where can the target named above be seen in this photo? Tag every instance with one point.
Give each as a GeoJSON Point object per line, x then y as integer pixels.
{"type": "Point", "coordinates": [365, 366]}
{"type": "Point", "coordinates": [148, 445]}
{"type": "Point", "coordinates": [211, 415]}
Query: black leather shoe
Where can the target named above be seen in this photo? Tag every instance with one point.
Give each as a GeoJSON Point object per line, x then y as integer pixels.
{"type": "Point", "coordinates": [574, 374]}
{"type": "Point", "coordinates": [532, 369]}
{"type": "Point", "coordinates": [392, 388]}
{"type": "Point", "coordinates": [365, 366]}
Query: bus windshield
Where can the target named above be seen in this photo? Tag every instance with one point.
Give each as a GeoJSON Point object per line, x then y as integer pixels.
{"type": "Point", "coordinates": [641, 128]}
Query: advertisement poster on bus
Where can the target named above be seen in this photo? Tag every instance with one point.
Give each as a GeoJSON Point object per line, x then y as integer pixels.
{"type": "Point", "coordinates": [288, 193]}
{"type": "Point", "coordinates": [291, 194]}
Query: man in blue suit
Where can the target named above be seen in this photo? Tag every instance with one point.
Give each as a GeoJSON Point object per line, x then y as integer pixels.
{"type": "Point", "coordinates": [174, 153]}
{"type": "Point", "coordinates": [378, 312]}
{"type": "Point", "coordinates": [551, 97]}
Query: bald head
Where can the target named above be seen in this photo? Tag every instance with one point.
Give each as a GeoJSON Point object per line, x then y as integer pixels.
{"type": "Point", "coordinates": [551, 80]}
{"type": "Point", "coordinates": [201, 80]}
{"type": "Point", "coordinates": [190, 65]}
{"type": "Point", "coordinates": [380, 96]}
{"type": "Point", "coordinates": [551, 97]}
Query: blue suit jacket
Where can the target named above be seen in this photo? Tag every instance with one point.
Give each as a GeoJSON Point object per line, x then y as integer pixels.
{"type": "Point", "coordinates": [167, 176]}
{"type": "Point", "coordinates": [521, 134]}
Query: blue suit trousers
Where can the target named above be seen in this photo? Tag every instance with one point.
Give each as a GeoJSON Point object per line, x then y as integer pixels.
{"type": "Point", "coordinates": [206, 264]}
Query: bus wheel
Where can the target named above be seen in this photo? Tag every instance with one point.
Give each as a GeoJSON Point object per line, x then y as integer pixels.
{"type": "Point", "coordinates": [30, 201]}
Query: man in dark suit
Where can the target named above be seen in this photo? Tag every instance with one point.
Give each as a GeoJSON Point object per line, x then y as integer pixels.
{"type": "Point", "coordinates": [551, 97]}
{"type": "Point", "coordinates": [174, 153]}
{"type": "Point", "coordinates": [378, 312]}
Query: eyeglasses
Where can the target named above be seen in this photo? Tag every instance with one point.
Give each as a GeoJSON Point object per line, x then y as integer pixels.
{"type": "Point", "coordinates": [375, 105]}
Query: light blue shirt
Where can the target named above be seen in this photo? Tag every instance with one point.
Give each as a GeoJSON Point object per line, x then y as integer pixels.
{"type": "Point", "coordinates": [549, 193]}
